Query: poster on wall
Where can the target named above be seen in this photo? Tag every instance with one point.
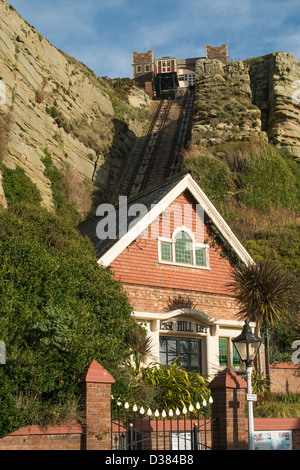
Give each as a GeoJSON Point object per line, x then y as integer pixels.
{"type": "Point", "coordinates": [273, 440]}
{"type": "Point", "coordinates": [183, 440]}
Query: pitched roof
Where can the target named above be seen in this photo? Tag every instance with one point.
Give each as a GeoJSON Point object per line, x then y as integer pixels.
{"type": "Point", "coordinates": [147, 198]}
{"type": "Point", "coordinates": [155, 201]}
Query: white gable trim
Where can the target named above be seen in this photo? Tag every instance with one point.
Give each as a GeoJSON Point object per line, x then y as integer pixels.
{"type": "Point", "coordinates": [143, 222]}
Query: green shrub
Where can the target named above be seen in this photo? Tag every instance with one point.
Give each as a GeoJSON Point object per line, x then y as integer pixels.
{"type": "Point", "coordinates": [277, 410]}
{"type": "Point", "coordinates": [59, 189]}
{"type": "Point", "coordinates": [267, 179]}
{"type": "Point", "coordinates": [177, 388]}
{"type": "Point", "coordinates": [19, 187]}
{"type": "Point", "coordinates": [59, 311]}
{"type": "Point", "coordinates": [278, 405]}
{"type": "Point", "coordinates": [212, 175]}
{"type": "Point", "coordinates": [279, 244]}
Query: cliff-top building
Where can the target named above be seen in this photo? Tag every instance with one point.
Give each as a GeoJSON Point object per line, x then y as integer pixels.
{"type": "Point", "coordinates": [143, 67]}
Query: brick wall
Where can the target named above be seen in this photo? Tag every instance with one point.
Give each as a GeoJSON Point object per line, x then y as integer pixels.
{"type": "Point", "coordinates": [285, 377]}
{"type": "Point", "coordinates": [138, 265]}
{"type": "Point", "coordinates": [155, 299]}
{"type": "Point", "coordinates": [67, 437]}
{"type": "Point", "coordinates": [93, 435]}
{"type": "Point", "coordinates": [228, 391]}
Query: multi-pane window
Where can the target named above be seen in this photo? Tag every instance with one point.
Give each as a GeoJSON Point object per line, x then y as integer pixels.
{"type": "Point", "coordinates": [223, 351]}
{"type": "Point", "coordinates": [200, 257]}
{"type": "Point", "coordinates": [185, 351]}
{"type": "Point", "coordinates": [235, 357]}
{"type": "Point", "coordinates": [166, 252]}
{"type": "Point", "coordinates": [183, 250]}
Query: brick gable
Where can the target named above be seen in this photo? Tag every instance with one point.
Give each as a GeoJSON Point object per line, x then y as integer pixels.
{"type": "Point", "coordinates": [138, 263]}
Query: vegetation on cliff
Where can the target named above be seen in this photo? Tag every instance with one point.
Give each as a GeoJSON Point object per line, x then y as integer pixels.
{"type": "Point", "coordinates": [59, 309]}
{"type": "Point", "coordinates": [256, 187]}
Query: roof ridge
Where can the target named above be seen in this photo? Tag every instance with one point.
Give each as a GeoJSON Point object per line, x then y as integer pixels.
{"type": "Point", "coordinates": [164, 183]}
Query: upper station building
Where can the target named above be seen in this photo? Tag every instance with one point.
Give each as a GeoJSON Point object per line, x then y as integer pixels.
{"type": "Point", "coordinates": [144, 69]}
{"type": "Point", "coordinates": [162, 248]}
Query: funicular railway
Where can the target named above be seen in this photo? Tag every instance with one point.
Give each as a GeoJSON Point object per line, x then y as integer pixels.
{"type": "Point", "coordinates": [169, 133]}
{"type": "Point", "coordinates": [159, 153]}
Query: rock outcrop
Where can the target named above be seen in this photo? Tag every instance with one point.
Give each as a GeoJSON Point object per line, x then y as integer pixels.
{"type": "Point", "coordinates": [275, 84]}
{"type": "Point", "coordinates": [52, 101]}
{"type": "Point", "coordinates": [3, 202]}
{"type": "Point", "coordinates": [224, 110]}
{"type": "Point", "coordinates": [259, 95]}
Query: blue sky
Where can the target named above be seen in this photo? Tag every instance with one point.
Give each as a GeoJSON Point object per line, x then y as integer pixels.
{"type": "Point", "coordinates": [103, 33]}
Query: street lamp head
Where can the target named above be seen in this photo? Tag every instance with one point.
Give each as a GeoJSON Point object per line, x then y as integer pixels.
{"type": "Point", "coordinates": [247, 345]}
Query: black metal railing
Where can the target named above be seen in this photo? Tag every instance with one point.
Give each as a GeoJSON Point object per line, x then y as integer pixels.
{"type": "Point", "coordinates": [134, 428]}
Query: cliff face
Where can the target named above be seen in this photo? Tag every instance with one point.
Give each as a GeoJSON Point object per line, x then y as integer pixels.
{"type": "Point", "coordinates": [275, 84]}
{"type": "Point", "coordinates": [255, 96]}
{"type": "Point", "coordinates": [224, 110]}
{"type": "Point", "coordinates": [48, 100]}
{"type": "Point", "coordinates": [52, 101]}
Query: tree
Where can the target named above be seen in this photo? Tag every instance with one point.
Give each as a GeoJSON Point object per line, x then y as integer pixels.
{"type": "Point", "coordinates": [263, 293]}
{"type": "Point", "coordinates": [140, 346]}
{"type": "Point", "coordinates": [59, 310]}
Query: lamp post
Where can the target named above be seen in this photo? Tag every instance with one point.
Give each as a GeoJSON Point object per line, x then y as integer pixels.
{"type": "Point", "coordinates": [247, 346]}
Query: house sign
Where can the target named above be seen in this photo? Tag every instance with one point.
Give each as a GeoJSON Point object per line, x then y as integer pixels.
{"type": "Point", "coordinates": [182, 326]}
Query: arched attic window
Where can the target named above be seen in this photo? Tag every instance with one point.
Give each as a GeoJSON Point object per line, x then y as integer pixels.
{"type": "Point", "coordinates": [182, 249]}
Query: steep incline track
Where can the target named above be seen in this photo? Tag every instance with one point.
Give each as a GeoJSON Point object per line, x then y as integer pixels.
{"type": "Point", "coordinates": [168, 134]}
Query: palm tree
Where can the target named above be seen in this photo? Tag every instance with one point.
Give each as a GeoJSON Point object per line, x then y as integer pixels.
{"type": "Point", "coordinates": [140, 346]}
{"type": "Point", "coordinates": [263, 293]}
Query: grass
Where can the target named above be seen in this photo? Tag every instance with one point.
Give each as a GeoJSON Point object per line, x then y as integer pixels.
{"type": "Point", "coordinates": [277, 410]}
{"type": "Point", "coordinates": [276, 405]}
{"type": "Point", "coordinates": [256, 188]}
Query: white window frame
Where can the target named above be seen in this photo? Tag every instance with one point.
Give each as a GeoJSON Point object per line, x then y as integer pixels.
{"type": "Point", "coordinates": [195, 246]}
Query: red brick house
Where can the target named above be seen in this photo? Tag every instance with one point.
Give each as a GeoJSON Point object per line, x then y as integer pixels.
{"type": "Point", "coordinates": [163, 250]}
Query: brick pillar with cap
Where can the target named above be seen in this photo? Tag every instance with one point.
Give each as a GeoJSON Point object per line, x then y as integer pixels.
{"type": "Point", "coordinates": [228, 391]}
{"type": "Point", "coordinates": [96, 397]}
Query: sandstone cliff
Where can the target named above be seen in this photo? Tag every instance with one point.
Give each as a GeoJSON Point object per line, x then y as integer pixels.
{"type": "Point", "coordinates": [275, 85]}
{"type": "Point", "coordinates": [50, 100]}
{"type": "Point", "coordinates": [255, 96]}
{"type": "Point", "coordinates": [223, 104]}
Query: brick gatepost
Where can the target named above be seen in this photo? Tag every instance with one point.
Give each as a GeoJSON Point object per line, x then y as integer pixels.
{"type": "Point", "coordinates": [228, 391]}
{"type": "Point", "coordinates": [96, 398]}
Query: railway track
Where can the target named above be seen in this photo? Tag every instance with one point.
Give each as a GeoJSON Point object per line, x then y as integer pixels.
{"type": "Point", "coordinates": [160, 155]}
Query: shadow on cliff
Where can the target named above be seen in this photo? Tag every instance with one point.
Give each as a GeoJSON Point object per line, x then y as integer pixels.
{"type": "Point", "coordinates": [109, 167]}
{"type": "Point", "coordinates": [116, 174]}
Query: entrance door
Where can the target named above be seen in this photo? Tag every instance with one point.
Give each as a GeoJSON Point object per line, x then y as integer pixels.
{"type": "Point", "coordinates": [186, 352]}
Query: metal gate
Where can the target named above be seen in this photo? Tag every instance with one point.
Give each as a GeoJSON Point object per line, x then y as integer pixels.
{"type": "Point", "coordinates": [140, 429]}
